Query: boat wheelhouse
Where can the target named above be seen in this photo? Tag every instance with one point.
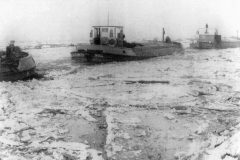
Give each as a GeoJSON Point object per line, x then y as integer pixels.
{"type": "Point", "coordinates": [103, 35]}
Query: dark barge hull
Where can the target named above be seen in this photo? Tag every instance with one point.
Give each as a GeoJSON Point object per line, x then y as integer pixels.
{"type": "Point", "coordinates": [15, 76]}
{"type": "Point", "coordinates": [112, 53]}
{"type": "Point", "coordinates": [222, 45]}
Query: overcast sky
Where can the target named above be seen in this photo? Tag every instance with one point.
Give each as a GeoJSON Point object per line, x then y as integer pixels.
{"type": "Point", "coordinates": [70, 20]}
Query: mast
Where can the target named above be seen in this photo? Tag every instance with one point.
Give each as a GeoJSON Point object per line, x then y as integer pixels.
{"type": "Point", "coordinates": [108, 18]}
{"type": "Point", "coordinates": [163, 33]}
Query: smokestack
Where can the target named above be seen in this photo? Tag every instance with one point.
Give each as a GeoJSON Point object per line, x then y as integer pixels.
{"type": "Point", "coordinates": [206, 28]}
{"type": "Point", "coordinates": [163, 34]}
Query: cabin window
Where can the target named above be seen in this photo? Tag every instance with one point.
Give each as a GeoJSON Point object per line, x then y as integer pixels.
{"type": "Point", "coordinates": [104, 29]}
{"type": "Point", "coordinates": [111, 33]}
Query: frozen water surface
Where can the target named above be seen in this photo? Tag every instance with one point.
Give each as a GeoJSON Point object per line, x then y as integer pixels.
{"type": "Point", "coordinates": [112, 110]}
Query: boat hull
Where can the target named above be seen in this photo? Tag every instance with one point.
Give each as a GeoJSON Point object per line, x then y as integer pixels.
{"type": "Point", "coordinates": [112, 53]}
{"type": "Point", "coordinates": [15, 76]}
{"type": "Point", "coordinates": [222, 45]}
{"type": "Point", "coordinates": [25, 68]}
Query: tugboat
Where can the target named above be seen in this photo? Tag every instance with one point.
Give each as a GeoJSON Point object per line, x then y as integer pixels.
{"type": "Point", "coordinates": [16, 64]}
{"type": "Point", "coordinates": [107, 42]}
{"type": "Point", "coordinates": [212, 40]}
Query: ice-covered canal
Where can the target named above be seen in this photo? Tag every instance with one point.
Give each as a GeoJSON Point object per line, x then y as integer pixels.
{"type": "Point", "coordinates": [115, 111]}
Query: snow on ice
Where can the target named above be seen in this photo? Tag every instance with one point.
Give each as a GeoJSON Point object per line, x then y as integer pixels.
{"type": "Point", "coordinates": [86, 111]}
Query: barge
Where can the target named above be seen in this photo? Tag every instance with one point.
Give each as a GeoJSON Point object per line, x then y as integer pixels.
{"type": "Point", "coordinates": [107, 43]}
{"type": "Point", "coordinates": [207, 39]}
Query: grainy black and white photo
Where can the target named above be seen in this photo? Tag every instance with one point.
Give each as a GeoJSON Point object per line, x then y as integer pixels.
{"type": "Point", "coordinates": [119, 80]}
